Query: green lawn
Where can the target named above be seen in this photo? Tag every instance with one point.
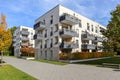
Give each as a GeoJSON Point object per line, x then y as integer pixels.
{"type": "Point", "coordinates": [114, 60]}
{"type": "Point", "coordinates": [50, 62]}
{"type": "Point", "coordinates": [7, 72]}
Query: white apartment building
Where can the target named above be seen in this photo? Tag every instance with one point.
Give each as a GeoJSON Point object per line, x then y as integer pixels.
{"type": "Point", "coordinates": [63, 30]}
{"type": "Point", "coordinates": [23, 36]}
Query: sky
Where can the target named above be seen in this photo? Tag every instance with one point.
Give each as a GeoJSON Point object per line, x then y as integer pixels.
{"type": "Point", "coordinates": [25, 12]}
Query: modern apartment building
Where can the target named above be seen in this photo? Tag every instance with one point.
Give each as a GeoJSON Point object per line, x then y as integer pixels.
{"type": "Point", "coordinates": [23, 36]}
{"type": "Point", "coordinates": [63, 30]}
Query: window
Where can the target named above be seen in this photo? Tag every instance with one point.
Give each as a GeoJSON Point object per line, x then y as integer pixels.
{"type": "Point", "coordinates": [77, 30]}
{"type": "Point", "coordinates": [51, 54]}
{"type": "Point", "coordinates": [44, 21]}
{"type": "Point", "coordinates": [51, 20]}
{"type": "Point", "coordinates": [56, 40]}
{"type": "Point", "coordinates": [45, 33]}
{"type": "Point", "coordinates": [45, 54]}
{"type": "Point", "coordinates": [41, 53]}
{"type": "Point", "coordinates": [92, 28]}
{"type": "Point", "coordinates": [88, 26]}
{"type": "Point", "coordinates": [80, 24]}
{"type": "Point", "coordinates": [56, 27]}
{"type": "Point", "coordinates": [45, 43]}
{"type": "Point", "coordinates": [51, 44]}
{"type": "Point", "coordinates": [96, 30]}
{"type": "Point", "coordinates": [77, 42]}
{"type": "Point", "coordinates": [51, 32]}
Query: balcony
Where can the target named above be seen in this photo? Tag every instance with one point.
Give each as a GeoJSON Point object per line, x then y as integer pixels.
{"type": "Point", "coordinates": [25, 32]}
{"type": "Point", "coordinates": [88, 46]}
{"type": "Point", "coordinates": [39, 26]}
{"type": "Point", "coordinates": [68, 45]}
{"type": "Point", "coordinates": [68, 33]}
{"type": "Point", "coordinates": [24, 38]}
{"type": "Point", "coordinates": [99, 47]}
{"type": "Point", "coordinates": [88, 37]}
{"type": "Point", "coordinates": [99, 39]}
{"type": "Point", "coordinates": [69, 19]}
{"type": "Point", "coordinates": [38, 36]}
{"type": "Point", "coordinates": [24, 44]}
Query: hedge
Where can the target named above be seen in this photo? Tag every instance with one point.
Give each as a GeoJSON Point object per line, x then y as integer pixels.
{"type": "Point", "coordinates": [85, 55]}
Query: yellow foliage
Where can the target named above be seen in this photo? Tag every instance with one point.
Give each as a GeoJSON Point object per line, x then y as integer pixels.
{"type": "Point", "coordinates": [5, 37]}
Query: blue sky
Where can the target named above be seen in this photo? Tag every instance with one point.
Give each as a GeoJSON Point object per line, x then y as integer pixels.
{"type": "Point", "coordinates": [24, 12]}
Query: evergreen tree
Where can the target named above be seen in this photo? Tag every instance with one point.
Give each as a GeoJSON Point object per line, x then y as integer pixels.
{"type": "Point", "coordinates": [11, 49]}
{"type": "Point", "coordinates": [113, 32]}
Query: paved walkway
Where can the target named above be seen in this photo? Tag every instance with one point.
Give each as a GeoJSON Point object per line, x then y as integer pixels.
{"type": "Point", "coordinates": [45, 71]}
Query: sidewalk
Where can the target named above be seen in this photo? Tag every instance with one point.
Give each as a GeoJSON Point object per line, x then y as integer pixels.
{"type": "Point", "coordinates": [45, 71]}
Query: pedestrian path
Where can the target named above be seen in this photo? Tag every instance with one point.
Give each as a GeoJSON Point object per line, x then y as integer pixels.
{"type": "Point", "coordinates": [45, 71]}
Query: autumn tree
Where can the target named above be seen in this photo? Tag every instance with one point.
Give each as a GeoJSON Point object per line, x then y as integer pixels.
{"type": "Point", "coordinates": [5, 35]}
{"type": "Point", "coordinates": [113, 32]}
{"type": "Point", "coordinates": [27, 51]}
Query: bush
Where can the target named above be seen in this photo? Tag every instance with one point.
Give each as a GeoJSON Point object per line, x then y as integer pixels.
{"type": "Point", "coordinates": [63, 56]}
{"type": "Point", "coordinates": [6, 52]}
{"type": "Point", "coordinates": [2, 61]}
{"type": "Point", "coordinates": [85, 55]}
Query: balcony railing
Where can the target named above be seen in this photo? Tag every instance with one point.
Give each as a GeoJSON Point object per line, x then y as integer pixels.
{"type": "Point", "coordinates": [88, 37]}
{"type": "Point", "coordinates": [88, 46]}
{"type": "Point", "coordinates": [99, 39]}
{"type": "Point", "coordinates": [38, 36]}
{"type": "Point", "coordinates": [24, 44]}
{"type": "Point", "coordinates": [68, 33]}
{"type": "Point", "coordinates": [69, 19]}
{"type": "Point", "coordinates": [25, 32]}
{"type": "Point", "coordinates": [24, 38]}
{"type": "Point", "coordinates": [68, 45]}
{"type": "Point", "coordinates": [39, 25]}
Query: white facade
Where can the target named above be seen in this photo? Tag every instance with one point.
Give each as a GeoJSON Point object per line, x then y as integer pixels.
{"type": "Point", "coordinates": [23, 36]}
{"type": "Point", "coordinates": [63, 30]}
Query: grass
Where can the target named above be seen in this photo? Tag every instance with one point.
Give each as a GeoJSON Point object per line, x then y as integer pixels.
{"type": "Point", "coordinates": [113, 60]}
{"type": "Point", "coordinates": [50, 62]}
{"type": "Point", "coordinates": [8, 72]}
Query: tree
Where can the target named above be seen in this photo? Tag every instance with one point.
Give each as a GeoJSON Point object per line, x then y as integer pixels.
{"type": "Point", "coordinates": [27, 51]}
{"type": "Point", "coordinates": [5, 35]}
{"type": "Point", "coordinates": [11, 49]}
{"type": "Point", "coordinates": [13, 29]}
{"type": "Point", "coordinates": [113, 32]}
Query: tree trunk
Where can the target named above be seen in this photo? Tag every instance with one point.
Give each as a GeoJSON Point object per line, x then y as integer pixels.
{"type": "Point", "coordinates": [1, 57]}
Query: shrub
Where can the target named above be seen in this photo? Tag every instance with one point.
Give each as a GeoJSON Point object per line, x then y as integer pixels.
{"type": "Point", "coordinates": [75, 56]}
{"type": "Point", "coordinates": [63, 56]}
{"type": "Point", "coordinates": [88, 55]}
{"type": "Point", "coordinates": [85, 55]}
